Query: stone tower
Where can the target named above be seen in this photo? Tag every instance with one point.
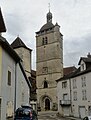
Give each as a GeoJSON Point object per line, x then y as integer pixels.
{"type": "Point", "coordinates": [49, 63]}
{"type": "Point", "coordinates": [24, 53]}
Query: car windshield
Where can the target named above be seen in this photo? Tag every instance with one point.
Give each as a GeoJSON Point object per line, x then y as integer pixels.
{"type": "Point", "coordinates": [23, 113]}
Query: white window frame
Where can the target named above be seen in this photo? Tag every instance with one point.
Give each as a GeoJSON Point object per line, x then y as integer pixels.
{"type": "Point", "coordinates": [74, 84]}
{"type": "Point", "coordinates": [84, 94]}
{"type": "Point", "coordinates": [75, 95]}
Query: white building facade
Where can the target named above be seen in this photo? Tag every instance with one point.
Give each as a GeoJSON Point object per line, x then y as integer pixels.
{"type": "Point", "coordinates": [14, 87]}
{"type": "Point", "coordinates": [77, 87]}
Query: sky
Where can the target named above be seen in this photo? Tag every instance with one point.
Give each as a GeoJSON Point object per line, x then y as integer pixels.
{"type": "Point", "coordinates": [25, 17]}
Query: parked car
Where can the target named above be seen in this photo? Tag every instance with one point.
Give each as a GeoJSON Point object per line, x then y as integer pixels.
{"type": "Point", "coordinates": [87, 118]}
{"type": "Point", "coordinates": [25, 113]}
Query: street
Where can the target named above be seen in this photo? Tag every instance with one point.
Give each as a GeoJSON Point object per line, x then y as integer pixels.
{"type": "Point", "coordinates": [50, 115]}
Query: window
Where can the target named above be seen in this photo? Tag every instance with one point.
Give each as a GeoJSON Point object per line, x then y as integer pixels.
{"type": "Point", "coordinates": [64, 84]}
{"type": "Point", "coordinates": [75, 95]}
{"type": "Point", "coordinates": [9, 78]}
{"type": "Point", "coordinates": [9, 109]}
{"type": "Point", "coordinates": [45, 70]}
{"type": "Point", "coordinates": [44, 41]}
{"type": "Point", "coordinates": [82, 66]}
{"type": "Point", "coordinates": [74, 84]}
{"type": "Point", "coordinates": [84, 96]}
{"type": "Point", "coordinates": [65, 96]}
{"type": "Point", "coordinates": [83, 81]}
{"type": "Point", "coordinates": [45, 84]}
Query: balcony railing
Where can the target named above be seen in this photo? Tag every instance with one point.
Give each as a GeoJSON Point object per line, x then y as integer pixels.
{"type": "Point", "coordinates": [65, 102]}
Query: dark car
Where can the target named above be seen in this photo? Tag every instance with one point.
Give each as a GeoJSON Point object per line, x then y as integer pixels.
{"type": "Point", "coordinates": [87, 118]}
{"type": "Point", "coordinates": [25, 113]}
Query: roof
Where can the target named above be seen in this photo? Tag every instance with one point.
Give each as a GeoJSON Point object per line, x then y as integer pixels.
{"type": "Point", "coordinates": [75, 74]}
{"type": "Point", "coordinates": [85, 59]}
{"type": "Point", "coordinates": [68, 70]}
{"type": "Point", "coordinates": [46, 26]}
{"type": "Point", "coordinates": [9, 49]}
{"type": "Point", "coordinates": [2, 25]}
{"type": "Point", "coordinates": [17, 43]}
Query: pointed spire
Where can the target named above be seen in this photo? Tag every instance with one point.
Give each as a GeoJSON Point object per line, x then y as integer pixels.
{"type": "Point", "coordinates": [18, 43]}
{"type": "Point", "coordinates": [49, 6]}
{"type": "Point", "coordinates": [49, 15]}
{"type": "Point", "coordinates": [2, 25]}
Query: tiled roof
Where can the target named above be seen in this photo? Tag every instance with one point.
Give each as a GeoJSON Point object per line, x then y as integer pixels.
{"type": "Point", "coordinates": [75, 74]}
{"type": "Point", "coordinates": [19, 43]}
{"type": "Point", "coordinates": [2, 25]}
{"type": "Point", "coordinates": [68, 70]}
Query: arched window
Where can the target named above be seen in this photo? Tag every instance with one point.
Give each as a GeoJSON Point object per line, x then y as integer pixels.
{"type": "Point", "coordinates": [45, 84]}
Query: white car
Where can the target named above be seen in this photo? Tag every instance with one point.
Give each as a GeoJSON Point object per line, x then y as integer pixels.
{"type": "Point", "coordinates": [87, 118]}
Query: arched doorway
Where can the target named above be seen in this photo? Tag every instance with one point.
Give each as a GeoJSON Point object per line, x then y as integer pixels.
{"type": "Point", "coordinates": [47, 104]}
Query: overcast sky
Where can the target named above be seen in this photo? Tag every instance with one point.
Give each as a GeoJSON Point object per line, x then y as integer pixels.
{"type": "Point", "coordinates": [25, 17]}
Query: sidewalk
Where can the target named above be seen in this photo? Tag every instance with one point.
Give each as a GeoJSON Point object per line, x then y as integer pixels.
{"type": "Point", "coordinates": [69, 117]}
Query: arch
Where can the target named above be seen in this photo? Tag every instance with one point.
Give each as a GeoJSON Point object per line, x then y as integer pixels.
{"type": "Point", "coordinates": [47, 104]}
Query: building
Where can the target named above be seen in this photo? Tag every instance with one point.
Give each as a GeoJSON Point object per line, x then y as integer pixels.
{"type": "Point", "coordinates": [74, 96]}
{"type": "Point", "coordinates": [33, 95]}
{"type": "Point", "coordinates": [49, 64]}
{"type": "Point", "coordinates": [25, 54]}
{"type": "Point", "coordinates": [64, 91]}
{"type": "Point", "coordinates": [14, 85]}
{"type": "Point", "coordinates": [2, 24]}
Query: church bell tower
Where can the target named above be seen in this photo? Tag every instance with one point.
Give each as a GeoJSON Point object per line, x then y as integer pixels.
{"type": "Point", "coordinates": [49, 63]}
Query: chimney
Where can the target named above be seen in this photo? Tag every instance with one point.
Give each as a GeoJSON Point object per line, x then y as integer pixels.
{"type": "Point", "coordinates": [89, 56]}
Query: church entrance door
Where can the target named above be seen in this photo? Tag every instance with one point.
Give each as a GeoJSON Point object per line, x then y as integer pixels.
{"type": "Point", "coordinates": [47, 104]}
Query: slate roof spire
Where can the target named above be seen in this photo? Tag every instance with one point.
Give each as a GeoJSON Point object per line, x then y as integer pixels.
{"type": "Point", "coordinates": [2, 24]}
{"type": "Point", "coordinates": [49, 15]}
{"type": "Point", "coordinates": [18, 43]}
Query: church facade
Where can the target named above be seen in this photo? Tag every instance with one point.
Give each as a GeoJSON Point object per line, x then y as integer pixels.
{"type": "Point", "coordinates": [49, 63]}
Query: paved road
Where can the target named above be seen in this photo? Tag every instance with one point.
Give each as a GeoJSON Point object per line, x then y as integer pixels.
{"type": "Point", "coordinates": [49, 115]}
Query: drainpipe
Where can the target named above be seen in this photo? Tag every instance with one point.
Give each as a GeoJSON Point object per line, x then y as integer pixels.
{"type": "Point", "coordinates": [15, 87]}
{"type": "Point", "coordinates": [70, 95]}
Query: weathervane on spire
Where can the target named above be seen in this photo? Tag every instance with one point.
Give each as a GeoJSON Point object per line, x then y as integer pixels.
{"type": "Point", "coordinates": [49, 6]}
